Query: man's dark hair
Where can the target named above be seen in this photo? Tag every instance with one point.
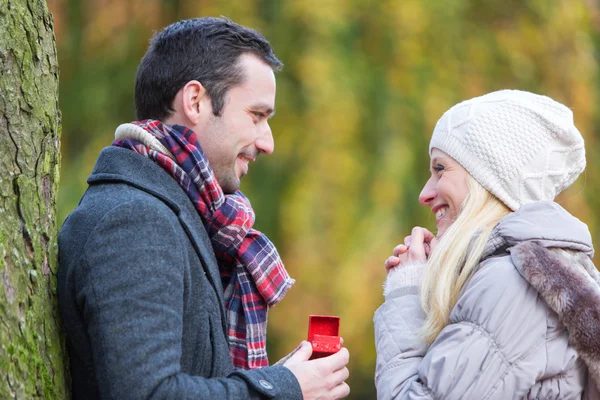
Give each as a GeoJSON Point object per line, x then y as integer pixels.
{"type": "Point", "coordinates": [202, 49]}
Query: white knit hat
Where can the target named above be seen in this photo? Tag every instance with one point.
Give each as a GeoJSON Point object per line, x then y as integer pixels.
{"type": "Point", "coordinates": [520, 146]}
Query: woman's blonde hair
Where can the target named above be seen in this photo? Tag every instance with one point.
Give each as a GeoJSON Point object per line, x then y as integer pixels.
{"type": "Point", "coordinates": [456, 256]}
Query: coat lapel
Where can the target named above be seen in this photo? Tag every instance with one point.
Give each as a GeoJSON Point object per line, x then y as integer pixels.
{"type": "Point", "coordinates": [199, 239]}
{"type": "Point", "coordinates": [119, 165]}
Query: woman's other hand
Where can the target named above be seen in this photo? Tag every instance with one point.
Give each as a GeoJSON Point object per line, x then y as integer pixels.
{"type": "Point", "coordinates": [416, 248]}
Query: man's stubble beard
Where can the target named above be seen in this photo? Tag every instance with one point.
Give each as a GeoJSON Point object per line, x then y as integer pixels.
{"type": "Point", "coordinates": [224, 170]}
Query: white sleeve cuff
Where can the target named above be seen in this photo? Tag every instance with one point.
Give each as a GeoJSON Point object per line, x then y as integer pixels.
{"type": "Point", "coordinates": [404, 276]}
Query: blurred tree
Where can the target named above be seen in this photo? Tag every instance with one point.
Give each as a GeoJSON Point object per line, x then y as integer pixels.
{"type": "Point", "coordinates": [32, 352]}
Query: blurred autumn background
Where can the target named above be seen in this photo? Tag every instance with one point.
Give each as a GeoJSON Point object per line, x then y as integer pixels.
{"type": "Point", "coordinates": [363, 85]}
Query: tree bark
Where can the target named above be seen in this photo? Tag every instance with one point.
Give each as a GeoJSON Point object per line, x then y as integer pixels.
{"type": "Point", "coordinates": [33, 359]}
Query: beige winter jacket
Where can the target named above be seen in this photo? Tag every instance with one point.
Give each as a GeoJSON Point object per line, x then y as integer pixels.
{"type": "Point", "coordinates": [526, 326]}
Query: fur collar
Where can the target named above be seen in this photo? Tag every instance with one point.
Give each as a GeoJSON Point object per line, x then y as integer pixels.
{"type": "Point", "coordinates": [569, 283]}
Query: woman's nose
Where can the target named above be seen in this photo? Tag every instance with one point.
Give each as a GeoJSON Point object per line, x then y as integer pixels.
{"type": "Point", "coordinates": [428, 194]}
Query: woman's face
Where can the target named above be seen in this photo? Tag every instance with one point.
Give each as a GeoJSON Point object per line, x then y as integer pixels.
{"type": "Point", "coordinates": [445, 190]}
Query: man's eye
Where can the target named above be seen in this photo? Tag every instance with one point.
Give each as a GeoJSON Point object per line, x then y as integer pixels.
{"type": "Point", "coordinates": [438, 167]}
{"type": "Point", "coordinates": [258, 114]}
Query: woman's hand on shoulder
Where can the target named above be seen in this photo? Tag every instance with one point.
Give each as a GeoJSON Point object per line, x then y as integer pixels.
{"type": "Point", "coordinates": [416, 248]}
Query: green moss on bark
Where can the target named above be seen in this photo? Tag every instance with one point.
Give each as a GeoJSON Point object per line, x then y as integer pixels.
{"type": "Point", "coordinates": [33, 361]}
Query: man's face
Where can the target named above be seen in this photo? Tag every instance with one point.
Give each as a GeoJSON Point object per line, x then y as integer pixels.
{"type": "Point", "coordinates": [242, 132]}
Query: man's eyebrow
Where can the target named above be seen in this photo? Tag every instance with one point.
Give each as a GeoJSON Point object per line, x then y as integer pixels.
{"type": "Point", "coordinates": [264, 107]}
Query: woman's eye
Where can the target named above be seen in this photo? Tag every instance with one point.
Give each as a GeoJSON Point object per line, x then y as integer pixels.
{"type": "Point", "coordinates": [438, 167]}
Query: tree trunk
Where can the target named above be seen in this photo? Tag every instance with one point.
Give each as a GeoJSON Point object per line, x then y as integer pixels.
{"type": "Point", "coordinates": [32, 352]}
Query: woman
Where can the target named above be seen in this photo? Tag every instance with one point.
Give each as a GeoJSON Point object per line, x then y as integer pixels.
{"type": "Point", "coordinates": [504, 303]}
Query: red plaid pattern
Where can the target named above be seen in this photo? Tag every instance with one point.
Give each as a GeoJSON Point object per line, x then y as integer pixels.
{"type": "Point", "coordinates": [252, 272]}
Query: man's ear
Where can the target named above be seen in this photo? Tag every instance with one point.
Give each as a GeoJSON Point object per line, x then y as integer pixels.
{"type": "Point", "coordinates": [194, 101]}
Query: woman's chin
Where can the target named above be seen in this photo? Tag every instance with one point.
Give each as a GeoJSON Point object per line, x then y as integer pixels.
{"type": "Point", "coordinates": [440, 232]}
{"type": "Point", "coordinates": [443, 225]}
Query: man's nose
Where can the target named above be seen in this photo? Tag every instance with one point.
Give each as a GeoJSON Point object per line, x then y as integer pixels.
{"type": "Point", "coordinates": [265, 143]}
{"type": "Point", "coordinates": [428, 194]}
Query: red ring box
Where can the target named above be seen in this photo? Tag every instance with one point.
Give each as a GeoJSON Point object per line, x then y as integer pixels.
{"type": "Point", "coordinates": [324, 335]}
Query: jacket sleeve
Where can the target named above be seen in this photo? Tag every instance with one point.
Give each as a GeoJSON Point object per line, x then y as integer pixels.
{"type": "Point", "coordinates": [492, 348]}
{"type": "Point", "coordinates": [130, 291]}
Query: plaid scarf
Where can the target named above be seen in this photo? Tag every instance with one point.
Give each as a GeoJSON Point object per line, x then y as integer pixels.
{"type": "Point", "coordinates": [252, 272]}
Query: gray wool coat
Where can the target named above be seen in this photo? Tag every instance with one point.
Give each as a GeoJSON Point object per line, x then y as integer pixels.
{"type": "Point", "coordinates": [526, 325]}
{"type": "Point", "coordinates": [141, 297]}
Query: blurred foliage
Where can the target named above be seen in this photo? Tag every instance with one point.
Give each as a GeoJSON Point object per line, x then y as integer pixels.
{"type": "Point", "coordinates": [364, 83]}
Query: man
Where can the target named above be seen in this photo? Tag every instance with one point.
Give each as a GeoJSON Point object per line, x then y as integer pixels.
{"type": "Point", "coordinates": [163, 284]}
